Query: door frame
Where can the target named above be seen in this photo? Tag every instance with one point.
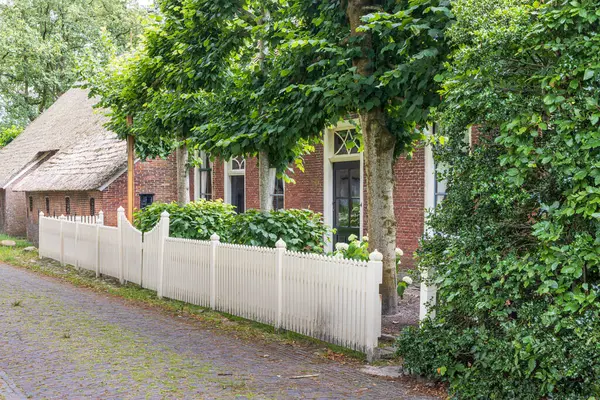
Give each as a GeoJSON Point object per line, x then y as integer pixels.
{"type": "Point", "coordinates": [329, 158]}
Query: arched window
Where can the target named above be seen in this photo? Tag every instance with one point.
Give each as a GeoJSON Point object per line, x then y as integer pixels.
{"type": "Point", "coordinates": [92, 206]}
{"type": "Point", "coordinates": [67, 205]}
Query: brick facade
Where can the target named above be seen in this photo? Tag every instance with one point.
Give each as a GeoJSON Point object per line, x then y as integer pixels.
{"type": "Point", "coordinates": [409, 203]}
{"type": "Point", "coordinates": [157, 177]}
{"type": "Point", "coordinates": [308, 193]}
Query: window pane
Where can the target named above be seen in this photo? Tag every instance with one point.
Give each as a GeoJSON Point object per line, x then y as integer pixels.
{"type": "Point", "coordinates": [355, 183]}
{"type": "Point", "coordinates": [341, 183]}
{"type": "Point", "coordinates": [238, 164]}
{"type": "Point", "coordinates": [355, 213]}
{"type": "Point", "coordinates": [237, 193]}
{"type": "Point", "coordinates": [346, 142]}
{"type": "Point", "coordinates": [279, 188]}
{"type": "Point", "coordinates": [278, 202]}
{"type": "Point", "coordinates": [343, 213]}
{"type": "Point", "coordinates": [146, 200]}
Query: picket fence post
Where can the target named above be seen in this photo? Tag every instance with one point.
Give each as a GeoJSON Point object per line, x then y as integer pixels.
{"type": "Point", "coordinates": [373, 320]}
{"type": "Point", "coordinates": [100, 221]}
{"type": "Point", "coordinates": [120, 216]}
{"type": "Point", "coordinates": [76, 244]}
{"type": "Point", "coordinates": [40, 233]}
{"type": "Point", "coordinates": [62, 241]}
{"type": "Point", "coordinates": [427, 297]}
{"type": "Point", "coordinates": [280, 249]}
{"type": "Point", "coordinates": [164, 234]}
{"type": "Point", "coordinates": [214, 243]}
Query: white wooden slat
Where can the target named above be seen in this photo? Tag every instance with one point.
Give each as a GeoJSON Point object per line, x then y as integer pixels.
{"type": "Point", "coordinates": [323, 297]}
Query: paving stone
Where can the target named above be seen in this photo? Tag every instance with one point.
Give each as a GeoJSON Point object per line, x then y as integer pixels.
{"type": "Point", "coordinates": [8, 243]}
{"type": "Point", "coordinates": [66, 342]}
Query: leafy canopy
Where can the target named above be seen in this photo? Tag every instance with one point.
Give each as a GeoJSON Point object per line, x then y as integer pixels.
{"type": "Point", "coordinates": [242, 77]}
{"type": "Point", "coordinates": [47, 45]}
{"type": "Point", "coordinates": [517, 257]}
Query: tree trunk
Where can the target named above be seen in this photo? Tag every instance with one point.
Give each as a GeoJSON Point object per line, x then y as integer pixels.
{"type": "Point", "coordinates": [266, 182]}
{"type": "Point", "coordinates": [183, 175]}
{"type": "Point", "coordinates": [379, 146]}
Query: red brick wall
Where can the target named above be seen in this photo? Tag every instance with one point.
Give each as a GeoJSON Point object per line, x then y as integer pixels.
{"type": "Point", "coordinates": [409, 203]}
{"type": "Point", "coordinates": [80, 205]}
{"type": "Point", "coordinates": [14, 213]}
{"type": "Point", "coordinates": [158, 177]}
{"type": "Point", "coordinates": [252, 184]}
{"type": "Point", "coordinates": [218, 179]}
{"type": "Point", "coordinates": [307, 192]}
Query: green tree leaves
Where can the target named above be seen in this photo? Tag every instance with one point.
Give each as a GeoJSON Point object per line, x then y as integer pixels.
{"type": "Point", "coordinates": [46, 45]}
{"type": "Point", "coordinates": [516, 257]}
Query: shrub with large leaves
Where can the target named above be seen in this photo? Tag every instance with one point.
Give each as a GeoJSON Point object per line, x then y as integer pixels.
{"type": "Point", "coordinates": [197, 220]}
{"type": "Point", "coordinates": [516, 256]}
{"type": "Point", "coordinates": [302, 230]}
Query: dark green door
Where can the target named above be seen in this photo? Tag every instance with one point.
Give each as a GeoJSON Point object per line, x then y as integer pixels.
{"type": "Point", "coordinates": [346, 205]}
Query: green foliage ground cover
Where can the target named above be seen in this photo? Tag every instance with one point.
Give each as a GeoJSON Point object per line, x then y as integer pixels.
{"type": "Point", "coordinates": [302, 230]}
{"type": "Point", "coordinates": [516, 249]}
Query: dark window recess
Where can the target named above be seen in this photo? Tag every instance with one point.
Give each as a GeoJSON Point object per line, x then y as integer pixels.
{"type": "Point", "coordinates": [47, 206]}
{"type": "Point", "coordinates": [237, 193]}
{"type": "Point", "coordinates": [92, 206]}
{"type": "Point", "coordinates": [67, 205]}
{"type": "Point", "coordinates": [30, 203]}
{"type": "Point", "coordinates": [146, 200]}
{"type": "Point", "coordinates": [205, 178]}
{"type": "Point", "coordinates": [346, 205]}
{"type": "Point", "coordinates": [278, 195]}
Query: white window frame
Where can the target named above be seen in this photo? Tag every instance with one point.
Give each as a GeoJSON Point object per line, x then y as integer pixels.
{"type": "Point", "coordinates": [229, 172]}
{"type": "Point", "coordinates": [329, 158]}
{"type": "Point", "coordinates": [274, 173]}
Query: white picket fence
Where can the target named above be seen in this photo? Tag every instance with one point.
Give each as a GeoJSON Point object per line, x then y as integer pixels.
{"type": "Point", "coordinates": [328, 298]}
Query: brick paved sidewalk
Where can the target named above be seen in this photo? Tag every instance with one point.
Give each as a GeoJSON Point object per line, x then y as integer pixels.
{"type": "Point", "coordinates": [67, 342]}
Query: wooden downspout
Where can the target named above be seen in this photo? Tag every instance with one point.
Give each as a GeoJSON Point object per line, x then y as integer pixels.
{"type": "Point", "coordinates": [130, 171]}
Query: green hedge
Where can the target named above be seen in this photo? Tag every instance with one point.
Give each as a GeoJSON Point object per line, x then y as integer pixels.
{"type": "Point", "coordinates": [197, 220]}
{"type": "Point", "coordinates": [302, 230]}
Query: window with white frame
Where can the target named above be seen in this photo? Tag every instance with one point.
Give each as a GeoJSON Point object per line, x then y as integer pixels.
{"type": "Point", "coordinates": [237, 181]}
{"type": "Point", "coordinates": [346, 142]}
{"type": "Point", "coordinates": [279, 194]}
{"type": "Point", "coordinates": [439, 183]}
{"type": "Point", "coordinates": [204, 177]}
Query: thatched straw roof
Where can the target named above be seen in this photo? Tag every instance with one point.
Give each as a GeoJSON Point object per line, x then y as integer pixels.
{"type": "Point", "coordinates": [88, 155]}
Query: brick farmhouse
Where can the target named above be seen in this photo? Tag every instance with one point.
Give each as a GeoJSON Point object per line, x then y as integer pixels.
{"type": "Point", "coordinates": [66, 162]}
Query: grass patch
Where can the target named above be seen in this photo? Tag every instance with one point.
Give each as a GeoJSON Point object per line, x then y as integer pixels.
{"type": "Point", "coordinates": [239, 327]}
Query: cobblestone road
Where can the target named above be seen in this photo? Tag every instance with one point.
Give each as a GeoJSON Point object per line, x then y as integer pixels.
{"type": "Point", "coordinates": [61, 342]}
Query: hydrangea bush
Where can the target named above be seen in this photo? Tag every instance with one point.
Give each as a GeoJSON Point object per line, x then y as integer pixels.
{"type": "Point", "coordinates": [357, 249]}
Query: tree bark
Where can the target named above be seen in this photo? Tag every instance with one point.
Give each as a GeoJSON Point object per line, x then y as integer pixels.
{"type": "Point", "coordinates": [379, 144]}
{"type": "Point", "coordinates": [266, 183]}
{"type": "Point", "coordinates": [183, 175]}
